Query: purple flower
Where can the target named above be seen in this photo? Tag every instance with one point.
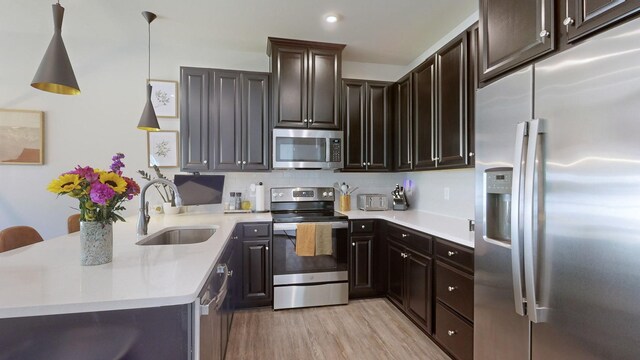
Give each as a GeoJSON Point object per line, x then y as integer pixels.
{"type": "Point", "coordinates": [86, 172]}
{"type": "Point", "coordinates": [101, 193]}
{"type": "Point", "coordinates": [117, 164]}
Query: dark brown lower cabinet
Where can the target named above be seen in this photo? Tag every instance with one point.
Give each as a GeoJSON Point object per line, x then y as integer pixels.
{"type": "Point", "coordinates": [453, 333]}
{"type": "Point", "coordinates": [361, 274]}
{"type": "Point", "coordinates": [256, 276]}
{"type": "Point", "coordinates": [409, 283]}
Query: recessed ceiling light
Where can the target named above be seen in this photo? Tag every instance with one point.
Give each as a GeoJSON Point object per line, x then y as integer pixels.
{"type": "Point", "coordinates": [331, 18]}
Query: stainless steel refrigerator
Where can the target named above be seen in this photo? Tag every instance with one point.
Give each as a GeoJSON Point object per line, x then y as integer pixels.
{"type": "Point", "coordinates": [557, 242]}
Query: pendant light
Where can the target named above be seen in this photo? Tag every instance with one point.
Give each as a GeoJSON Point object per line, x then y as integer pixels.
{"type": "Point", "coordinates": [149, 120]}
{"type": "Point", "coordinates": [55, 73]}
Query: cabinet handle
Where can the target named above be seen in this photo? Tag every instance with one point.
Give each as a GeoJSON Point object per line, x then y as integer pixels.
{"type": "Point", "coordinates": [304, 121]}
{"type": "Point", "coordinates": [364, 164]}
{"type": "Point", "coordinates": [353, 244]}
{"type": "Point", "coordinates": [451, 332]}
{"type": "Point", "coordinates": [471, 154]}
{"type": "Point", "coordinates": [238, 162]}
{"type": "Point", "coordinates": [255, 230]}
{"type": "Point", "coordinates": [544, 34]}
{"type": "Point", "coordinates": [230, 273]}
{"type": "Point", "coordinates": [369, 163]}
{"type": "Point", "coordinates": [568, 21]}
{"type": "Point", "coordinates": [244, 162]}
{"type": "Point", "coordinates": [409, 162]}
{"type": "Point", "coordinates": [451, 253]}
{"type": "Point", "coordinates": [451, 288]}
{"type": "Point", "coordinates": [404, 235]}
{"type": "Point", "coordinates": [266, 248]}
{"type": "Point", "coordinates": [310, 121]}
{"type": "Point", "coordinates": [363, 226]}
{"type": "Point", "coordinates": [204, 162]}
{"type": "Point", "coordinates": [403, 255]}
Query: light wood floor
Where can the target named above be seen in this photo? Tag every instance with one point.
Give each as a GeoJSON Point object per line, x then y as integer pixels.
{"type": "Point", "coordinates": [364, 329]}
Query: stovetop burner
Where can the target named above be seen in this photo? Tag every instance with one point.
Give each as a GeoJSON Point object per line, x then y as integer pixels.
{"type": "Point", "coordinates": [304, 204]}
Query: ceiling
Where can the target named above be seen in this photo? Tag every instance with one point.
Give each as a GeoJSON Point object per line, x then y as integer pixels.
{"type": "Point", "coordinates": [375, 31]}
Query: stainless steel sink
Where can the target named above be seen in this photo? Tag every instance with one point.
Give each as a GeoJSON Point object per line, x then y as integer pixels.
{"type": "Point", "coordinates": [179, 236]}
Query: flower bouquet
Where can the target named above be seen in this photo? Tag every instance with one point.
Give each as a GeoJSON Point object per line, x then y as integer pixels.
{"type": "Point", "coordinates": [101, 195]}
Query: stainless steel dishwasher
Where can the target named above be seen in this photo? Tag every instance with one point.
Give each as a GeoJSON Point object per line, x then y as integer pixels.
{"type": "Point", "coordinates": [212, 297]}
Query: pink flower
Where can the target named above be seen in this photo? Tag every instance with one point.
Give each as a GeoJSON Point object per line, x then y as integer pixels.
{"type": "Point", "coordinates": [101, 193]}
{"type": "Point", "coordinates": [133, 188]}
{"type": "Point", "coordinates": [86, 172]}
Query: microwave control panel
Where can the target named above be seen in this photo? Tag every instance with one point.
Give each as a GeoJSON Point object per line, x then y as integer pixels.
{"type": "Point", "coordinates": [336, 150]}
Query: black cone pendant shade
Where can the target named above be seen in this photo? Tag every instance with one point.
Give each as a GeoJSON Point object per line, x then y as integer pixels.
{"type": "Point", "coordinates": [149, 120]}
{"type": "Point", "coordinates": [55, 73]}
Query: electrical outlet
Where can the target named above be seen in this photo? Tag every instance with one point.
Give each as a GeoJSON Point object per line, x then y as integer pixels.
{"type": "Point", "coordinates": [446, 193]}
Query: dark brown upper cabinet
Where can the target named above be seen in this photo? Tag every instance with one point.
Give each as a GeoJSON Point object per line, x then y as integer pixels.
{"type": "Point", "coordinates": [305, 83]}
{"type": "Point", "coordinates": [404, 124]}
{"type": "Point", "coordinates": [513, 32]}
{"type": "Point", "coordinates": [586, 16]}
{"type": "Point", "coordinates": [451, 126]}
{"type": "Point", "coordinates": [194, 119]}
{"type": "Point", "coordinates": [367, 123]}
{"type": "Point", "coordinates": [424, 115]}
{"type": "Point", "coordinates": [224, 120]}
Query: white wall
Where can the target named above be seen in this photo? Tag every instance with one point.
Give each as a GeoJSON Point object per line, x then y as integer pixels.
{"type": "Point", "coordinates": [429, 192]}
{"type": "Point", "coordinates": [89, 128]}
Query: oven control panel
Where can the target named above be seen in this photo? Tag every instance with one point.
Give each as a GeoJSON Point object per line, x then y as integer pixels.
{"type": "Point", "coordinates": [299, 194]}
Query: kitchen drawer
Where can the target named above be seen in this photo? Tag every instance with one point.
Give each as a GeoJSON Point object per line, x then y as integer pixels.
{"type": "Point", "coordinates": [455, 288]}
{"type": "Point", "coordinates": [417, 241]}
{"type": "Point", "coordinates": [455, 255]}
{"type": "Point", "coordinates": [453, 333]}
{"type": "Point", "coordinates": [256, 230]}
{"type": "Point", "coordinates": [362, 226]}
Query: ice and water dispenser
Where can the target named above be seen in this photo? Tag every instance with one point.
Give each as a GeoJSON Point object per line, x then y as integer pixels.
{"type": "Point", "coordinates": [497, 204]}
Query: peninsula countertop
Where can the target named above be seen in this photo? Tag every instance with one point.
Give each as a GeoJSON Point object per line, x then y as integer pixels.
{"type": "Point", "coordinates": [46, 278]}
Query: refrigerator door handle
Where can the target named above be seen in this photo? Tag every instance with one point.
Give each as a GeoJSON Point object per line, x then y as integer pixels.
{"type": "Point", "coordinates": [516, 228]}
{"type": "Point", "coordinates": [536, 314]}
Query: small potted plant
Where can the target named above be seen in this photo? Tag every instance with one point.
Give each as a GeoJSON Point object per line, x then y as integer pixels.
{"type": "Point", "coordinates": [168, 197]}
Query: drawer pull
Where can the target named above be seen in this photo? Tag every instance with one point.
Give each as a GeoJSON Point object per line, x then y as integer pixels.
{"type": "Point", "coordinates": [451, 253]}
{"type": "Point", "coordinates": [451, 332]}
{"type": "Point", "coordinates": [404, 235]}
{"type": "Point", "coordinates": [353, 244]}
{"type": "Point", "coordinates": [266, 248]}
{"type": "Point", "coordinates": [363, 226]}
{"type": "Point", "coordinates": [255, 230]}
{"type": "Point", "coordinates": [451, 288]}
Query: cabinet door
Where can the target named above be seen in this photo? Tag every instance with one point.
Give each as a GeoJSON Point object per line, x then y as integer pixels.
{"type": "Point", "coordinates": [424, 115]}
{"type": "Point", "coordinates": [256, 274]}
{"type": "Point", "coordinates": [472, 86]}
{"type": "Point", "coordinates": [452, 103]}
{"type": "Point", "coordinates": [361, 277]}
{"type": "Point", "coordinates": [324, 88]}
{"type": "Point", "coordinates": [255, 121]}
{"type": "Point", "coordinates": [403, 124]}
{"type": "Point", "coordinates": [586, 16]}
{"type": "Point", "coordinates": [513, 32]}
{"type": "Point", "coordinates": [418, 289]}
{"type": "Point", "coordinates": [194, 119]}
{"type": "Point", "coordinates": [353, 115]}
{"type": "Point", "coordinates": [379, 125]}
{"type": "Point", "coordinates": [396, 271]}
{"type": "Point", "coordinates": [226, 121]}
{"type": "Point", "coordinates": [289, 69]}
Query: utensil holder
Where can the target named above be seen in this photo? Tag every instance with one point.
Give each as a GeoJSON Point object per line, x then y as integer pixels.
{"type": "Point", "coordinates": [345, 202]}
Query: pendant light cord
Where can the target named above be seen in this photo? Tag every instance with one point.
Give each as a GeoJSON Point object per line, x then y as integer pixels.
{"type": "Point", "coordinates": [149, 58]}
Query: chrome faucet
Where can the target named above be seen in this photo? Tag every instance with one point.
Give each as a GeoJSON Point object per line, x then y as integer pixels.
{"type": "Point", "coordinates": [143, 213]}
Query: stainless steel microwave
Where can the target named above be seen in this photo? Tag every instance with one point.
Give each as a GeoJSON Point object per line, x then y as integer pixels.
{"type": "Point", "coordinates": [307, 149]}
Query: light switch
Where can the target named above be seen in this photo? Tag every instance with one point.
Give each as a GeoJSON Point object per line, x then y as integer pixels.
{"type": "Point", "coordinates": [446, 193]}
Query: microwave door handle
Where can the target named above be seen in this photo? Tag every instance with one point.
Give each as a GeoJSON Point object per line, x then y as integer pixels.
{"type": "Point", "coordinates": [533, 171]}
{"type": "Point", "coordinates": [516, 228]}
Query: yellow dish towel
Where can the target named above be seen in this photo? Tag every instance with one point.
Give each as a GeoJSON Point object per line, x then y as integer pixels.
{"type": "Point", "coordinates": [306, 239]}
{"type": "Point", "coordinates": [324, 244]}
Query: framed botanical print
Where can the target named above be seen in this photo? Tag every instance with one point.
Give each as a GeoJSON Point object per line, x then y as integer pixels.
{"type": "Point", "coordinates": [164, 97]}
{"type": "Point", "coordinates": [162, 148]}
{"type": "Point", "coordinates": [21, 137]}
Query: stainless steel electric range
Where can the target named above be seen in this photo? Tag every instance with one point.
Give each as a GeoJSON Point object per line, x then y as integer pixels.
{"type": "Point", "coordinates": [311, 280]}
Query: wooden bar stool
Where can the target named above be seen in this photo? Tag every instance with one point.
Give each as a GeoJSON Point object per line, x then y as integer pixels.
{"type": "Point", "coordinates": [73, 223]}
{"type": "Point", "coordinates": [18, 236]}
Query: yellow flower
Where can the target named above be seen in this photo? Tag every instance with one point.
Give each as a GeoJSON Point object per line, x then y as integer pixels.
{"type": "Point", "coordinates": [113, 180]}
{"type": "Point", "coordinates": [64, 184]}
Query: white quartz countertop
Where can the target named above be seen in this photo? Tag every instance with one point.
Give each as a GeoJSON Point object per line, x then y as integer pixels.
{"type": "Point", "coordinates": [446, 227]}
{"type": "Point", "coordinates": [47, 278]}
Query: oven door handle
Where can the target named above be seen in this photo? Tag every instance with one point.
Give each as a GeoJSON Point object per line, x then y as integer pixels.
{"type": "Point", "coordinates": [293, 226]}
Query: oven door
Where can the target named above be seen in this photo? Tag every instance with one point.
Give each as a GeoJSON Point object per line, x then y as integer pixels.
{"type": "Point", "coordinates": [289, 268]}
